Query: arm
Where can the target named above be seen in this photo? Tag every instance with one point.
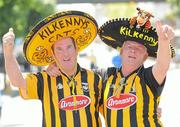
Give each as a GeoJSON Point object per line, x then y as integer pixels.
{"type": "Point", "coordinates": [11, 65]}
{"type": "Point", "coordinates": [54, 71]}
{"type": "Point", "coordinates": [165, 35]}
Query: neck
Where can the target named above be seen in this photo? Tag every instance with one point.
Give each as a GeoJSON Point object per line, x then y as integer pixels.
{"type": "Point", "coordinates": [70, 72]}
{"type": "Point", "coordinates": [126, 70]}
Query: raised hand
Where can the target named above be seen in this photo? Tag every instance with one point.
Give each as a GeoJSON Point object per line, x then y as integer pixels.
{"type": "Point", "coordinates": [8, 40]}
{"type": "Point", "coordinates": [165, 32]}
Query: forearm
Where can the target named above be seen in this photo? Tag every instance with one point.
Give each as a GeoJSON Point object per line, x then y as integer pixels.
{"type": "Point", "coordinates": [163, 61]}
{"type": "Point", "coordinates": [163, 56]}
{"type": "Point", "coordinates": [13, 71]}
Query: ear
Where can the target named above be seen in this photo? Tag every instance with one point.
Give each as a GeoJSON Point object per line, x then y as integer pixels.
{"type": "Point", "coordinates": [76, 49]}
{"type": "Point", "coordinates": [120, 52]}
{"type": "Point", "coordinates": [145, 56]}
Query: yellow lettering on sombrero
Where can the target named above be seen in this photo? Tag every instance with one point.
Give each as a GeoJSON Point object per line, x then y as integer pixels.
{"type": "Point", "coordinates": [53, 28]}
{"type": "Point", "coordinates": [73, 22]}
{"type": "Point", "coordinates": [135, 34]}
{"type": "Point", "coordinates": [109, 38]}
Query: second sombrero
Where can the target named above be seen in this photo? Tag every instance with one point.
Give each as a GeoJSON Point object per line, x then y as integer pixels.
{"type": "Point", "coordinates": [115, 32]}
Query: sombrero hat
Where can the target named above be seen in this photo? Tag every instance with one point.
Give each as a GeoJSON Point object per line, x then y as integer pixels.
{"type": "Point", "coordinates": [79, 25]}
{"type": "Point", "coordinates": [116, 31]}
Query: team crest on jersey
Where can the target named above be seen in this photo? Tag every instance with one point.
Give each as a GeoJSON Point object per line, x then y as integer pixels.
{"type": "Point", "coordinates": [59, 86]}
{"type": "Point", "coordinates": [68, 103]}
{"type": "Point", "coordinates": [85, 86]}
{"type": "Point", "coordinates": [121, 102]}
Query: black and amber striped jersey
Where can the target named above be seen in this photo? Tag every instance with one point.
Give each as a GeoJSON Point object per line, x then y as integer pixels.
{"type": "Point", "coordinates": [67, 102]}
{"type": "Point", "coordinates": [131, 101]}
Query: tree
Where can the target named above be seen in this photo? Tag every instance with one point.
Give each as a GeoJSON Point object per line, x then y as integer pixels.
{"type": "Point", "coordinates": [175, 7]}
{"type": "Point", "coordinates": [22, 14]}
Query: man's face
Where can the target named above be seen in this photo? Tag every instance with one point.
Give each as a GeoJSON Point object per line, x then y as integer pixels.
{"type": "Point", "coordinates": [133, 53]}
{"type": "Point", "coordinates": [66, 54]}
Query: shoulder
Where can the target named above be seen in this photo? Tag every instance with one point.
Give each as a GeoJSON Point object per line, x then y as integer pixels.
{"type": "Point", "coordinates": [111, 70]}
{"type": "Point", "coordinates": [90, 72]}
{"type": "Point", "coordinates": [37, 75]}
{"type": "Point", "coordinates": [147, 70]}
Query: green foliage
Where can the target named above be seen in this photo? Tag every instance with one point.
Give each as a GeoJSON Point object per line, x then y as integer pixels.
{"type": "Point", "coordinates": [22, 15]}
{"type": "Point", "coordinates": [175, 7]}
{"type": "Point", "coordinates": [117, 10]}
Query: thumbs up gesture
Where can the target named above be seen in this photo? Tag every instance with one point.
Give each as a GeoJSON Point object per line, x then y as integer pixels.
{"type": "Point", "coordinates": [8, 41]}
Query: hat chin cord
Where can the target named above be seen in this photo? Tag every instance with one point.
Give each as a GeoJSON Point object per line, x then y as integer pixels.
{"type": "Point", "coordinates": [71, 82]}
{"type": "Point", "coordinates": [60, 67]}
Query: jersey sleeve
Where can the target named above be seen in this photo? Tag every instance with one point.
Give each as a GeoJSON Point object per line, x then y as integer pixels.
{"type": "Point", "coordinates": [33, 87]}
{"type": "Point", "coordinates": [152, 83]}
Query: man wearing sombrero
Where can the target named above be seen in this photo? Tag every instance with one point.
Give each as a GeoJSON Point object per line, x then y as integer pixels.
{"type": "Point", "coordinates": [71, 99]}
{"type": "Point", "coordinates": [131, 94]}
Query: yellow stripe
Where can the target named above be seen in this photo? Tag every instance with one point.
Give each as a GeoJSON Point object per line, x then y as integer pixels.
{"type": "Point", "coordinates": [158, 100]}
{"type": "Point", "coordinates": [139, 103]}
{"type": "Point", "coordinates": [82, 112]}
{"type": "Point", "coordinates": [46, 101]}
{"type": "Point", "coordinates": [129, 85]}
{"type": "Point", "coordinates": [114, 112]}
{"type": "Point", "coordinates": [91, 94]}
{"type": "Point", "coordinates": [126, 111]}
{"type": "Point", "coordinates": [69, 114]}
{"type": "Point", "coordinates": [55, 100]}
{"type": "Point", "coordinates": [31, 81]}
{"type": "Point", "coordinates": [151, 109]}
{"type": "Point", "coordinates": [106, 91]}
{"type": "Point", "coordinates": [160, 122]}
{"type": "Point", "coordinates": [98, 108]}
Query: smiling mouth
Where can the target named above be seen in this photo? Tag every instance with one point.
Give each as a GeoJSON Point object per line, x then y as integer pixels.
{"type": "Point", "coordinates": [131, 57]}
{"type": "Point", "coordinates": [66, 59]}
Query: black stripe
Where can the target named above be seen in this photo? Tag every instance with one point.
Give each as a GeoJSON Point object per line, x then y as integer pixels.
{"type": "Point", "coordinates": [53, 117]}
{"type": "Point", "coordinates": [40, 91]}
{"type": "Point", "coordinates": [40, 87]}
{"type": "Point", "coordinates": [110, 93]}
{"type": "Point", "coordinates": [96, 95]}
{"type": "Point", "coordinates": [107, 112]}
{"type": "Point", "coordinates": [61, 96]}
{"type": "Point", "coordinates": [133, 117]}
{"type": "Point", "coordinates": [120, 116]}
{"type": "Point", "coordinates": [156, 91]}
{"type": "Point", "coordinates": [84, 77]}
{"type": "Point", "coordinates": [76, 116]}
{"type": "Point", "coordinates": [145, 104]}
{"type": "Point", "coordinates": [155, 113]}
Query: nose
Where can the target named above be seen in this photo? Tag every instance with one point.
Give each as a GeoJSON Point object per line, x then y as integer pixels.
{"type": "Point", "coordinates": [132, 50]}
{"type": "Point", "coordinates": [65, 53]}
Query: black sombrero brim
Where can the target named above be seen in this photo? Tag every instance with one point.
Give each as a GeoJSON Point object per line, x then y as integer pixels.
{"type": "Point", "coordinates": [79, 25]}
{"type": "Point", "coordinates": [115, 32]}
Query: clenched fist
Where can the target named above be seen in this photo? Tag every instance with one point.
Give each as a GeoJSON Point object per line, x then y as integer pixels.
{"type": "Point", "coordinates": [8, 41]}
